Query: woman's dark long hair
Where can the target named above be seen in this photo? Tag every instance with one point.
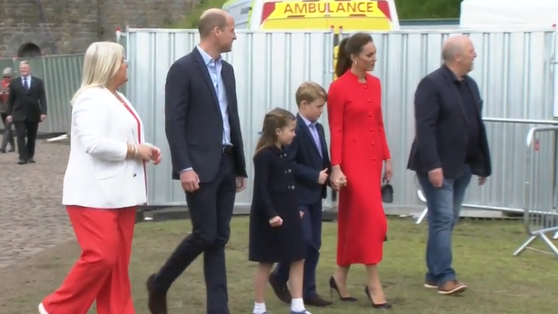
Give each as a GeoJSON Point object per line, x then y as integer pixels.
{"type": "Point", "coordinates": [350, 46]}
{"type": "Point", "coordinates": [277, 118]}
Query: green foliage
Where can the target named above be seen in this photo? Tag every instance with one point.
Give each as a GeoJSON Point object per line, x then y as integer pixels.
{"type": "Point", "coordinates": [427, 9]}
{"type": "Point", "coordinates": [406, 9]}
{"type": "Point", "coordinates": [191, 18]}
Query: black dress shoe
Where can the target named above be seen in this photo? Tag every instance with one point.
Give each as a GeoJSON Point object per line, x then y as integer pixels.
{"type": "Point", "coordinates": [280, 288]}
{"type": "Point", "coordinates": [317, 301]}
{"type": "Point", "coordinates": [31, 161]}
{"type": "Point", "coordinates": [157, 302]}
{"type": "Point", "coordinates": [3, 150]}
{"type": "Point", "coordinates": [11, 150]}
{"type": "Point", "coordinates": [22, 162]}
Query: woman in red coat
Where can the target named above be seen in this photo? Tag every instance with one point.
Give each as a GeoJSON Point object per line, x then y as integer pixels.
{"type": "Point", "coordinates": [359, 152]}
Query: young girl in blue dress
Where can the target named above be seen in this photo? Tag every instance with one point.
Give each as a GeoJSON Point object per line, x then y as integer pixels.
{"type": "Point", "coordinates": [275, 221]}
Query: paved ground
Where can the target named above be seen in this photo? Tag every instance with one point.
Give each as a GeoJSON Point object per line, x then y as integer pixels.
{"type": "Point", "coordinates": [32, 217]}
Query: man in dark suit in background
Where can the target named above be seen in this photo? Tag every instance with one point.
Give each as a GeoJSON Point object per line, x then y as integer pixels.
{"type": "Point", "coordinates": [27, 107]}
{"type": "Point", "coordinates": [450, 146]}
{"type": "Point", "coordinates": [309, 159]}
{"type": "Point", "coordinates": [203, 131]}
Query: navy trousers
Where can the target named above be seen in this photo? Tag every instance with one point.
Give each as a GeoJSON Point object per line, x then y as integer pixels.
{"type": "Point", "coordinates": [312, 226]}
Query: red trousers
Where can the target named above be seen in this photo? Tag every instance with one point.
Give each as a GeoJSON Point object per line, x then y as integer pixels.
{"type": "Point", "coordinates": [101, 273]}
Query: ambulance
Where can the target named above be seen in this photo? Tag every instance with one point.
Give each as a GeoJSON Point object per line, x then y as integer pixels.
{"type": "Point", "coordinates": [344, 15]}
{"type": "Point", "coordinates": [335, 15]}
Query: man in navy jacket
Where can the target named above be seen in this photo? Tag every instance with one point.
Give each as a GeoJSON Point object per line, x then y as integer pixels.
{"type": "Point", "coordinates": [450, 146]}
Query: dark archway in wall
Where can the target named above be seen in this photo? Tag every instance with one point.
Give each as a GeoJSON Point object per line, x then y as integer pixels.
{"type": "Point", "coordinates": [29, 50]}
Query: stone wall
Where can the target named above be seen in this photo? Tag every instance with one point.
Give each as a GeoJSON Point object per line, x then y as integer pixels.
{"type": "Point", "coordinates": [69, 26]}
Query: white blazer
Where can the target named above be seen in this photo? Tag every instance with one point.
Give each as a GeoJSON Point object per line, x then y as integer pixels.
{"type": "Point", "coordinates": [98, 174]}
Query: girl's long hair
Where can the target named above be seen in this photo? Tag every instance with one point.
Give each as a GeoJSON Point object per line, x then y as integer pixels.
{"type": "Point", "coordinates": [277, 118]}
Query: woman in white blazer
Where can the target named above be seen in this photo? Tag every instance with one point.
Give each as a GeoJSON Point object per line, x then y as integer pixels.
{"type": "Point", "coordinates": [105, 181]}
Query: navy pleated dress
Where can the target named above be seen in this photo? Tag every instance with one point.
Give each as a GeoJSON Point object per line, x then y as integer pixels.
{"type": "Point", "coordinates": [274, 194]}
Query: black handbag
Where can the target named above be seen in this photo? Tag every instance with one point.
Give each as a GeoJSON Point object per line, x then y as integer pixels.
{"type": "Point", "coordinates": [387, 196]}
{"type": "Point", "coordinates": [387, 192]}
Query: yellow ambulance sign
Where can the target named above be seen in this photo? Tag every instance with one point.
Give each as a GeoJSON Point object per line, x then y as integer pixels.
{"type": "Point", "coordinates": [327, 9]}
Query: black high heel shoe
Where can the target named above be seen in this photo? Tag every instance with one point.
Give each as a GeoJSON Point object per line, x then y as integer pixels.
{"type": "Point", "coordinates": [384, 305]}
{"type": "Point", "coordinates": [333, 286]}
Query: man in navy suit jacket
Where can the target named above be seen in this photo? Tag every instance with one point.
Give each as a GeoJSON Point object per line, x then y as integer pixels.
{"type": "Point", "coordinates": [450, 146]}
{"type": "Point", "coordinates": [311, 166]}
{"type": "Point", "coordinates": [203, 130]}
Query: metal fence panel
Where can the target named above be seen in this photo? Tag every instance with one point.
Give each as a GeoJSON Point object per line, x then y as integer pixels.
{"type": "Point", "coordinates": [513, 70]}
{"type": "Point", "coordinates": [62, 76]}
{"type": "Point", "coordinates": [123, 40]}
{"type": "Point", "coordinates": [515, 77]}
{"type": "Point", "coordinates": [268, 69]}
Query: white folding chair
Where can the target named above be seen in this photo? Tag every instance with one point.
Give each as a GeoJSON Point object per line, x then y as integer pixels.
{"type": "Point", "coordinates": [422, 198]}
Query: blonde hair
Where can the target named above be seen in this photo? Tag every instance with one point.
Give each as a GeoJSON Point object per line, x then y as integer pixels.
{"type": "Point", "coordinates": [309, 92]}
{"type": "Point", "coordinates": [101, 62]}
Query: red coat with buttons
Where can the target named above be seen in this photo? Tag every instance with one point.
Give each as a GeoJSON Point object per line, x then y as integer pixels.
{"type": "Point", "coordinates": [358, 144]}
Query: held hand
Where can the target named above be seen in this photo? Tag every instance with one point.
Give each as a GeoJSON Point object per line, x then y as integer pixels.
{"type": "Point", "coordinates": [240, 184]}
{"type": "Point", "coordinates": [9, 119]}
{"type": "Point", "coordinates": [338, 179]}
{"type": "Point", "coordinates": [276, 221]}
{"type": "Point", "coordinates": [43, 117]}
{"type": "Point", "coordinates": [388, 173]}
{"type": "Point", "coordinates": [482, 180]}
{"type": "Point", "coordinates": [301, 213]}
{"type": "Point", "coordinates": [322, 177]}
{"type": "Point", "coordinates": [189, 180]}
{"type": "Point", "coordinates": [436, 177]}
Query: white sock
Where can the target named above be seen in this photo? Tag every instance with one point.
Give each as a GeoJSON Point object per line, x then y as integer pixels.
{"type": "Point", "coordinates": [297, 305]}
{"type": "Point", "coordinates": [259, 308]}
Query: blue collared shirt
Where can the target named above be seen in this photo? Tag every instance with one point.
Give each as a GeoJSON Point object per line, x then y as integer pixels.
{"type": "Point", "coordinates": [214, 67]}
{"type": "Point", "coordinates": [312, 126]}
{"type": "Point", "coordinates": [28, 78]}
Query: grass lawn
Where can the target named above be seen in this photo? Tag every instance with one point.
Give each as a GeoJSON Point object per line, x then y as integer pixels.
{"type": "Point", "coordinates": [498, 282]}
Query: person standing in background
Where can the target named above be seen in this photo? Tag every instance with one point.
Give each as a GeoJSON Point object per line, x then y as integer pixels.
{"type": "Point", "coordinates": [27, 107]}
{"type": "Point", "coordinates": [4, 94]}
{"type": "Point", "coordinates": [449, 147]}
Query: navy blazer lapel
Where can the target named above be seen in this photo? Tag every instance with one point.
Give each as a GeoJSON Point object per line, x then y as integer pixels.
{"type": "Point", "coordinates": [228, 81]}
{"type": "Point", "coordinates": [451, 82]}
{"type": "Point", "coordinates": [323, 143]}
{"type": "Point", "coordinates": [476, 94]}
{"type": "Point", "coordinates": [18, 83]}
{"type": "Point", "coordinates": [205, 73]}
{"type": "Point", "coordinates": [32, 84]}
{"type": "Point", "coordinates": [302, 124]}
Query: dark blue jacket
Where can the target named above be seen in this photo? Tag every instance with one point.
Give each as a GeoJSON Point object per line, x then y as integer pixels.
{"type": "Point", "coordinates": [307, 163]}
{"type": "Point", "coordinates": [442, 128]}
